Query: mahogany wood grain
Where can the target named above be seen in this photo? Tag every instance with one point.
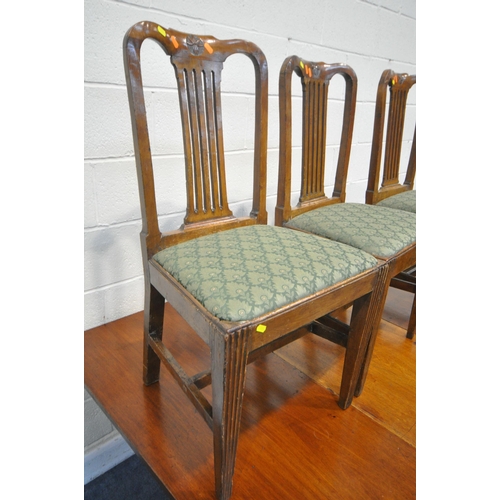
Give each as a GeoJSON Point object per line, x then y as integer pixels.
{"type": "Point", "coordinates": [387, 141]}
{"type": "Point", "coordinates": [390, 391]}
{"type": "Point", "coordinates": [287, 419]}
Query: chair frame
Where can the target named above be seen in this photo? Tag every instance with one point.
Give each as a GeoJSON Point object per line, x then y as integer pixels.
{"type": "Point", "coordinates": [315, 78]}
{"type": "Point", "coordinates": [398, 85]}
{"type": "Point", "coordinates": [232, 344]}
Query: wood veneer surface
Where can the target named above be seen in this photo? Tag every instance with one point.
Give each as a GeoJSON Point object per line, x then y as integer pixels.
{"type": "Point", "coordinates": [295, 441]}
{"type": "Point", "coordinates": [389, 395]}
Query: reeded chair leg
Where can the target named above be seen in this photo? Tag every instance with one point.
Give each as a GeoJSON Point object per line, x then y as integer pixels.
{"type": "Point", "coordinates": [229, 361]}
{"type": "Point", "coordinates": [377, 304]}
{"type": "Point", "coordinates": [412, 323]}
{"type": "Point", "coordinates": [154, 311]}
{"type": "Point", "coordinates": [357, 342]}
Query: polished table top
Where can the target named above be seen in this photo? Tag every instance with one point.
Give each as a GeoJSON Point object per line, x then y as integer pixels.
{"type": "Point", "coordinates": [295, 441]}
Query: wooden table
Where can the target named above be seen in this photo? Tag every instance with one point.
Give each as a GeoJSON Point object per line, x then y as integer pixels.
{"type": "Point", "coordinates": [295, 442]}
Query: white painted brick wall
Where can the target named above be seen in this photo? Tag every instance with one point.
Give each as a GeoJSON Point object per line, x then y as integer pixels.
{"type": "Point", "coordinates": [369, 35]}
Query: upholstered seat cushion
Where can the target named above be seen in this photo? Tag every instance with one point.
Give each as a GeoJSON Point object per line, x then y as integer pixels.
{"type": "Point", "coordinates": [243, 273]}
{"type": "Point", "coordinates": [380, 231]}
{"type": "Point", "coordinates": [406, 201]}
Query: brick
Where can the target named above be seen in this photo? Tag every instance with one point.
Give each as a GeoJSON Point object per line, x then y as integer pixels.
{"type": "Point", "coordinates": [123, 299]}
{"type": "Point", "coordinates": [95, 314]}
{"type": "Point", "coordinates": [107, 128]}
{"type": "Point", "coordinates": [90, 204]}
{"type": "Point", "coordinates": [112, 254]}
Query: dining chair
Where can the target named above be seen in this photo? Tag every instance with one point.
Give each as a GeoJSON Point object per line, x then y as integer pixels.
{"type": "Point", "coordinates": [387, 234]}
{"type": "Point", "coordinates": [245, 287]}
{"type": "Point", "coordinates": [388, 140]}
{"type": "Point", "coordinates": [387, 144]}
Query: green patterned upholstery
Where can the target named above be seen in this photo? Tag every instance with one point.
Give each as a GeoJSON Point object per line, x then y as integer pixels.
{"type": "Point", "coordinates": [379, 231]}
{"type": "Point", "coordinates": [242, 273]}
{"type": "Point", "coordinates": [406, 201]}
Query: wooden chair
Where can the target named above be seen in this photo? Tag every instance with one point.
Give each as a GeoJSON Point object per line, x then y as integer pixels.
{"type": "Point", "coordinates": [388, 234]}
{"type": "Point", "coordinates": [389, 191]}
{"type": "Point", "coordinates": [245, 287]}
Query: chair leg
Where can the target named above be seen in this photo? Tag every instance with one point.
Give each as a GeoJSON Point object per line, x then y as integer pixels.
{"type": "Point", "coordinates": [412, 324]}
{"type": "Point", "coordinates": [357, 341]}
{"type": "Point", "coordinates": [377, 308]}
{"type": "Point", "coordinates": [154, 310]}
{"type": "Point", "coordinates": [229, 361]}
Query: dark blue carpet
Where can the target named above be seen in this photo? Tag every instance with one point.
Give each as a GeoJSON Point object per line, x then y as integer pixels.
{"type": "Point", "coordinates": [130, 480]}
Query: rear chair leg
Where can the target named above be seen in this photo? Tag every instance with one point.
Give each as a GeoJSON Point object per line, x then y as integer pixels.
{"type": "Point", "coordinates": [154, 310]}
{"type": "Point", "coordinates": [229, 361]}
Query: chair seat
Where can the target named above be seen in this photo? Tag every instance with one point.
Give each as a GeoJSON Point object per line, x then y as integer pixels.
{"type": "Point", "coordinates": [406, 201]}
{"type": "Point", "coordinates": [379, 231]}
{"type": "Point", "coordinates": [243, 273]}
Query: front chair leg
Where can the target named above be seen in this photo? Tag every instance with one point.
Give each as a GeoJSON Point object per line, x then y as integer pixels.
{"type": "Point", "coordinates": [154, 310]}
{"type": "Point", "coordinates": [377, 305]}
{"type": "Point", "coordinates": [229, 361]}
{"type": "Point", "coordinates": [357, 343]}
{"type": "Point", "coordinates": [412, 324]}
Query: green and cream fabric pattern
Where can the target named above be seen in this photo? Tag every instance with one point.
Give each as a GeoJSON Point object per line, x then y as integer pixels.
{"type": "Point", "coordinates": [243, 273]}
{"type": "Point", "coordinates": [406, 201]}
{"type": "Point", "coordinates": [380, 231]}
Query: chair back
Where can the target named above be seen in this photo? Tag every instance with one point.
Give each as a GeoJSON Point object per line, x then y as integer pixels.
{"type": "Point", "coordinates": [399, 86]}
{"type": "Point", "coordinates": [315, 78]}
{"type": "Point", "coordinates": [198, 63]}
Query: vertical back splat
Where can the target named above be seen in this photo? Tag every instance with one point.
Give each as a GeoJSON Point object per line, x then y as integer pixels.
{"type": "Point", "coordinates": [199, 97]}
{"type": "Point", "coordinates": [399, 89]}
{"type": "Point", "coordinates": [313, 138]}
{"type": "Point", "coordinates": [315, 78]}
